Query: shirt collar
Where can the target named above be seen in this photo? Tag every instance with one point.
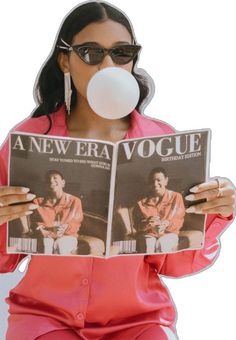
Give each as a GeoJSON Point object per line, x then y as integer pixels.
{"type": "Point", "coordinates": [140, 125]}
{"type": "Point", "coordinates": [149, 201]}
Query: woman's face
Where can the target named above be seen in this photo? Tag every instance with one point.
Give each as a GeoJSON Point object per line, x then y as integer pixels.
{"type": "Point", "coordinates": [158, 184]}
{"type": "Point", "coordinates": [56, 183]}
{"type": "Point", "coordinates": [105, 34]}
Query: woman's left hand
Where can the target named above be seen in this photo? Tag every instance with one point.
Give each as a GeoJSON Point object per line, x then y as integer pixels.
{"type": "Point", "coordinates": [61, 229]}
{"type": "Point", "coordinates": [219, 194]}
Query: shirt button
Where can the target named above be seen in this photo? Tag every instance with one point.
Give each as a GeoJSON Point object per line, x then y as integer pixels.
{"type": "Point", "coordinates": [217, 224]}
{"type": "Point", "coordinates": [85, 282]}
{"type": "Point", "coordinates": [80, 316]}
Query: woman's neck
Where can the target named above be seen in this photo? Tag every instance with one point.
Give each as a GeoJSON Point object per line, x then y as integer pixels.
{"type": "Point", "coordinates": [56, 195]}
{"type": "Point", "coordinates": [83, 122]}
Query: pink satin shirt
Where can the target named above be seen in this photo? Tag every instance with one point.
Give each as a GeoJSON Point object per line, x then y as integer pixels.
{"type": "Point", "coordinates": [69, 208]}
{"type": "Point", "coordinates": [98, 296]}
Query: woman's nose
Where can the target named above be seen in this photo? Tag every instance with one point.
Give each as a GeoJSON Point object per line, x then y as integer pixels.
{"type": "Point", "coordinates": [106, 62]}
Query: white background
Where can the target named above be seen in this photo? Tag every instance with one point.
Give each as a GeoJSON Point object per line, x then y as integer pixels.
{"type": "Point", "coordinates": [189, 50]}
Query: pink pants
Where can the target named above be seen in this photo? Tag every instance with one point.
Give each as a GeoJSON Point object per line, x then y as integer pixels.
{"type": "Point", "coordinates": [143, 332]}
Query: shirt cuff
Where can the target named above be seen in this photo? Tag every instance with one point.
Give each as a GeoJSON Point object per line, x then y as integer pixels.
{"type": "Point", "coordinates": [217, 227]}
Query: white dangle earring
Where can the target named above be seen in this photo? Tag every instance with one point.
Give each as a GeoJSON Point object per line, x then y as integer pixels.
{"type": "Point", "coordinates": [68, 91]}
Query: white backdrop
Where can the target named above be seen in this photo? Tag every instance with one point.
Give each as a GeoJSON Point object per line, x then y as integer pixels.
{"type": "Point", "coordinates": [189, 50]}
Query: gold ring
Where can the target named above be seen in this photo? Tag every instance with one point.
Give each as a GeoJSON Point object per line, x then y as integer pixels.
{"type": "Point", "coordinates": [219, 193]}
{"type": "Point", "coordinates": [218, 182]}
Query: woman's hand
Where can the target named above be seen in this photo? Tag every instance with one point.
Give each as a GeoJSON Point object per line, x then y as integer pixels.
{"type": "Point", "coordinates": [61, 230]}
{"type": "Point", "coordinates": [47, 233]}
{"type": "Point", "coordinates": [153, 221]}
{"type": "Point", "coordinates": [20, 198]}
{"type": "Point", "coordinates": [220, 195]}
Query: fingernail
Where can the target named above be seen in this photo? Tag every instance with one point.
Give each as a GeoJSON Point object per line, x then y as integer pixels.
{"type": "Point", "coordinates": [194, 189]}
{"type": "Point", "coordinates": [190, 198]}
{"type": "Point", "coordinates": [33, 206]}
{"type": "Point", "coordinates": [29, 212]}
{"type": "Point", "coordinates": [25, 190]}
{"type": "Point", "coordinates": [190, 210]}
{"type": "Point", "coordinates": [30, 196]}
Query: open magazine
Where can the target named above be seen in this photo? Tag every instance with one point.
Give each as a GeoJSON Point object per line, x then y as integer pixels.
{"type": "Point", "coordinates": [97, 198]}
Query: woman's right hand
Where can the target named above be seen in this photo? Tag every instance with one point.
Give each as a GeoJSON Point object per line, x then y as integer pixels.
{"type": "Point", "coordinates": [15, 202]}
{"type": "Point", "coordinates": [153, 221]}
{"type": "Point", "coordinates": [47, 233]}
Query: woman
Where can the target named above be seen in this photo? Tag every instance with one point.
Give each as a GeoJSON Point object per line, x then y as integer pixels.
{"type": "Point", "coordinates": [59, 216]}
{"type": "Point", "coordinates": [119, 298]}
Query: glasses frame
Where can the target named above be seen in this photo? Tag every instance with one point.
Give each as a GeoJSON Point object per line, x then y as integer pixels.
{"type": "Point", "coordinates": [106, 51]}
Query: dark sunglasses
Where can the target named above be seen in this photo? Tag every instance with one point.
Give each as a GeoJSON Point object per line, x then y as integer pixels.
{"type": "Point", "coordinates": [94, 55]}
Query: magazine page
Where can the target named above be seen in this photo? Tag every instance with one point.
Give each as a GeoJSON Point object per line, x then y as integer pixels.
{"type": "Point", "coordinates": [153, 176]}
{"type": "Point", "coordinates": [71, 180]}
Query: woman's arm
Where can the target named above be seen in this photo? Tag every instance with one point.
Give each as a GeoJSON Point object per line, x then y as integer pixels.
{"type": "Point", "coordinates": [8, 263]}
{"type": "Point", "coordinates": [75, 217]}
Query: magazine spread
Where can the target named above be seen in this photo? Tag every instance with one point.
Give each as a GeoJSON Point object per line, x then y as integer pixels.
{"type": "Point", "coordinates": [96, 198]}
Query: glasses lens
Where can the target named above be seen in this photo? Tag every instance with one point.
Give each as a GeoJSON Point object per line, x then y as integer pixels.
{"type": "Point", "coordinates": [89, 54]}
{"type": "Point", "coordinates": [94, 55]}
{"type": "Point", "coordinates": [124, 54]}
